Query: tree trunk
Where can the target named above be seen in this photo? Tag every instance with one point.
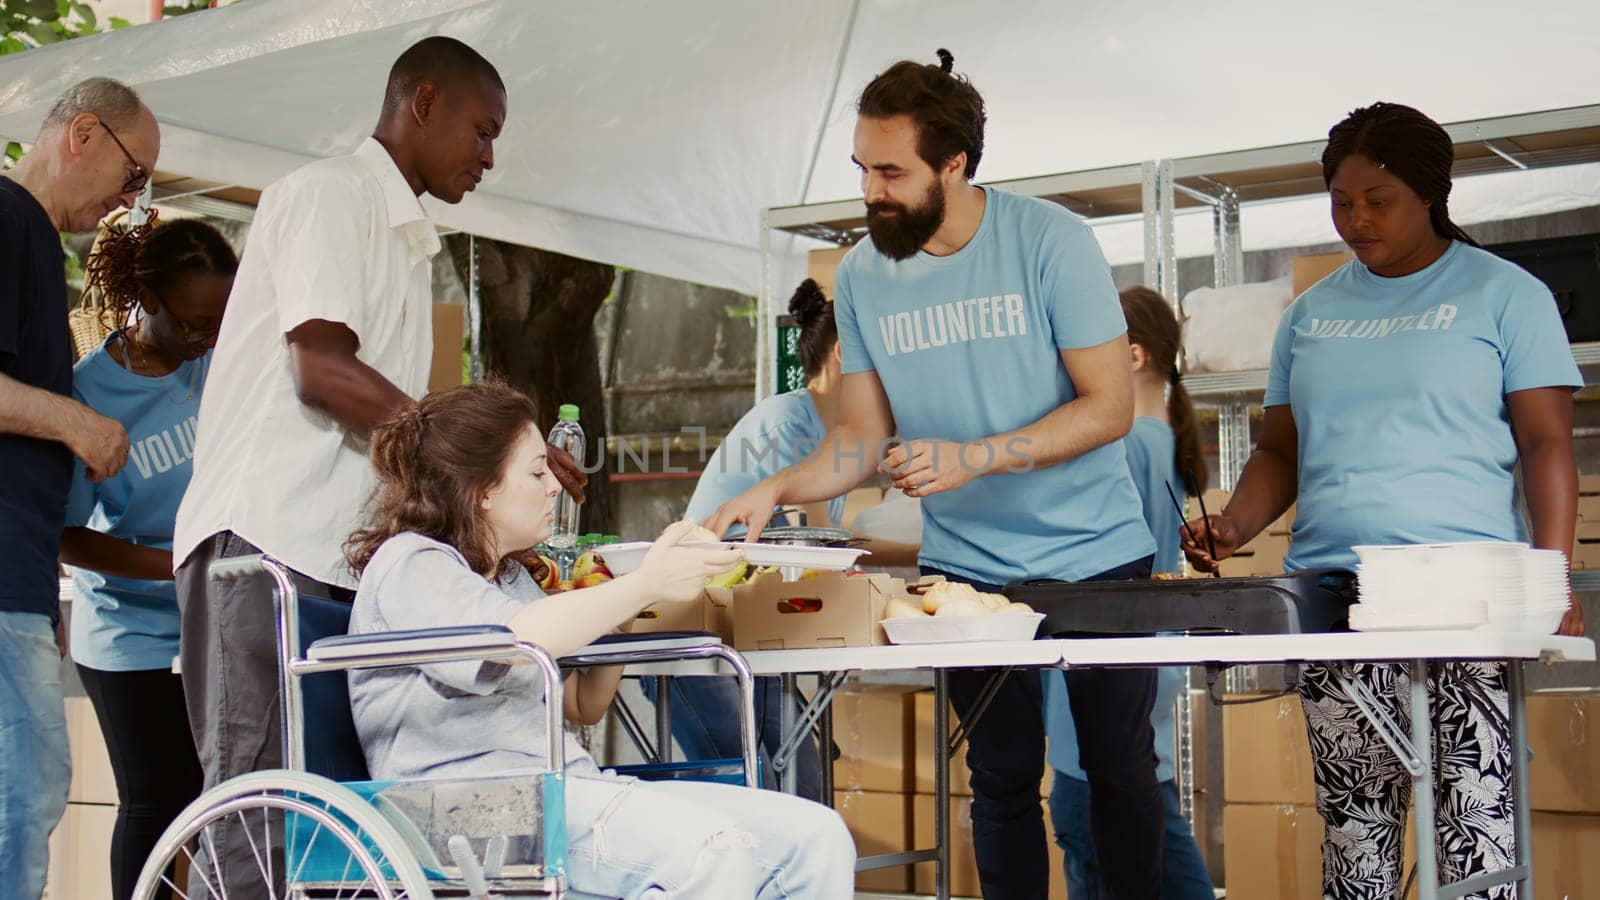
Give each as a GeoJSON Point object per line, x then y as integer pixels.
{"type": "Point", "coordinates": [538, 334]}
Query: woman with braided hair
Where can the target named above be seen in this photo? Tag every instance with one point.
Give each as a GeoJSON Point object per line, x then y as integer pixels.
{"type": "Point", "coordinates": [164, 287]}
{"type": "Point", "coordinates": [1405, 389]}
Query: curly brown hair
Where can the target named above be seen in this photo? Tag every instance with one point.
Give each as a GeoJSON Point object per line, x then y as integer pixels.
{"type": "Point", "coordinates": [435, 462]}
{"type": "Point", "coordinates": [154, 256]}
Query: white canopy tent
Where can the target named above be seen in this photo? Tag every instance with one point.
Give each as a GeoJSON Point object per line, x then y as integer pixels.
{"type": "Point", "coordinates": [652, 135]}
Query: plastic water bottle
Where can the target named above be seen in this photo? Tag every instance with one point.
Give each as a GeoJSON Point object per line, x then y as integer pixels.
{"type": "Point", "coordinates": [567, 435]}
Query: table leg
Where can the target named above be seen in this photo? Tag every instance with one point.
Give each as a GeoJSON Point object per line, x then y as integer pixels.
{"type": "Point", "coordinates": [941, 783]}
{"type": "Point", "coordinates": [1423, 783]}
{"type": "Point", "coordinates": [788, 777]}
{"type": "Point", "coordinates": [825, 750]}
{"type": "Point", "coordinates": [1517, 709]}
{"type": "Point", "coordinates": [664, 718]}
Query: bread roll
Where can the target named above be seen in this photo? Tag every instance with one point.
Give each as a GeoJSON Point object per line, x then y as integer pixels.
{"type": "Point", "coordinates": [961, 606]}
{"type": "Point", "coordinates": [899, 608]}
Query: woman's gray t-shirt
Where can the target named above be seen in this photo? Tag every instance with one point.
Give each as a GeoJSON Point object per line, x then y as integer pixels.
{"type": "Point", "coordinates": [465, 719]}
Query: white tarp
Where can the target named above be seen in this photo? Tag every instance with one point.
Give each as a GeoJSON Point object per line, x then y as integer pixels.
{"type": "Point", "coordinates": [652, 134]}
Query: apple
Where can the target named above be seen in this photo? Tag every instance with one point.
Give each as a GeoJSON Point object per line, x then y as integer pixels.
{"type": "Point", "coordinates": [590, 563]}
{"type": "Point", "coordinates": [552, 573]}
{"type": "Point", "coordinates": [591, 579]}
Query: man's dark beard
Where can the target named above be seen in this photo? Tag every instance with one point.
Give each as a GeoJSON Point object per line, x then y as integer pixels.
{"type": "Point", "coordinates": [901, 236]}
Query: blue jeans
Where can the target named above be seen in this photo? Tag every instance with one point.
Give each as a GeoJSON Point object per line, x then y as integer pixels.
{"type": "Point", "coordinates": [698, 841]}
{"type": "Point", "coordinates": [35, 768]}
{"type": "Point", "coordinates": [1006, 753]}
{"type": "Point", "coordinates": [705, 722]}
{"type": "Point", "coordinates": [1183, 869]}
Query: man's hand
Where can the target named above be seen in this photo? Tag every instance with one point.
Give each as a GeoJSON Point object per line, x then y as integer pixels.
{"type": "Point", "coordinates": [534, 563]}
{"type": "Point", "coordinates": [567, 471]}
{"type": "Point", "coordinates": [924, 467]}
{"type": "Point", "coordinates": [753, 508]}
{"type": "Point", "coordinates": [101, 443]}
{"type": "Point", "coordinates": [1224, 535]}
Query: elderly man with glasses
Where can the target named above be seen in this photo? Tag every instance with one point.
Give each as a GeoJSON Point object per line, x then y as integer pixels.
{"type": "Point", "coordinates": [94, 153]}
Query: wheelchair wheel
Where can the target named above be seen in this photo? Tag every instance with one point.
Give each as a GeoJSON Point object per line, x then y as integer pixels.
{"type": "Point", "coordinates": [337, 845]}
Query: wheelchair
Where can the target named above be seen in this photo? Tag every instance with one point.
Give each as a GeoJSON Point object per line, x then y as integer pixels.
{"type": "Point", "coordinates": [320, 827]}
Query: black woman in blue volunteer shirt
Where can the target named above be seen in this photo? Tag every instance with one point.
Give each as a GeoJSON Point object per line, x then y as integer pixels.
{"type": "Point", "coordinates": [165, 286]}
{"type": "Point", "coordinates": [1405, 389]}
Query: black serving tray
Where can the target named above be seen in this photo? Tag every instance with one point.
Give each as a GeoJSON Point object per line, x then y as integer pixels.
{"type": "Point", "coordinates": [1312, 600]}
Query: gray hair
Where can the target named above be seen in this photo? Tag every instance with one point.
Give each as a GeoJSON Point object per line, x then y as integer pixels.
{"type": "Point", "coordinates": [113, 102]}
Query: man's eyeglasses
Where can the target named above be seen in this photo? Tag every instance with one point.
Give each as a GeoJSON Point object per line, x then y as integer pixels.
{"type": "Point", "coordinates": [140, 177]}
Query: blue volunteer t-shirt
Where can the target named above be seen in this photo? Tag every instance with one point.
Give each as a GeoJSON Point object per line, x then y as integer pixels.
{"type": "Point", "coordinates": [774, 435]}
{"type": "Point", "coordinates": [1398, 388]}
{"type": "Point", "coordinates": [126, 624]}
{"type": "Point", "coordinates": [968, 346]}
{"type": "Point", "coordinates": [1152, 451]}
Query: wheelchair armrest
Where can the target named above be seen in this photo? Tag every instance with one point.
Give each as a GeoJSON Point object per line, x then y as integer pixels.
{"type": "Point", "coordinates": [623, 649]}
{"type": "Point", "coordinates": [234, 568]}
{"type": "Point", "coordinates": [468, 639]}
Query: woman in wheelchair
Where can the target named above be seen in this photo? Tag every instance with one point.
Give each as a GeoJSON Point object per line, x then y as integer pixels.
{"type": "Point", "coordinates": [463, 485]}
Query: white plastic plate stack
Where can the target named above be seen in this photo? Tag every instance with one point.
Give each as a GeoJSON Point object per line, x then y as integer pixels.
{"type": "Point", "coordinates": [1547, 591]}
{"type": "Point", "coordinates": [1440, 586]}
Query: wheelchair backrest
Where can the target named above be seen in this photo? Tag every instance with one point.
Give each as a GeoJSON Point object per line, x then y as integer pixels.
{"type": "Point", "coordinates": [332, 747]}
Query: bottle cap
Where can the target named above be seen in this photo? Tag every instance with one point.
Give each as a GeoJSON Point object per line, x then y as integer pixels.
{"type": "Point", "coordinates": [568, 412]}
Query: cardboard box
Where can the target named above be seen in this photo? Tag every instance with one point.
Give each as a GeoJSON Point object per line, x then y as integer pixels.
{"type": "Point", "coordinates": [1305, 271]}
{"type": "Point", "coordinates": [80, 853]}
{"type": "Point", "coordinates": [1566, 856]}
{"type": "Point", "coordinates": [963, 856]}
{"type": "Point", "coordinates": [449, 336]}
{"type": "Point", "coordinates": [1272, 852]}
{"type": "Point", "coordinates": [832, 609]}
{"type": "Point", "coordinates": [1564, 733]}
{"type": "Point", "coordinates": [709, 613]}
{"type": "Point", "coordinates": [874, 727]}
{"type": "Point", "coordinates": [1588, 484]}
{"type": "Point", "coordinates": [1266, 756]}
{"type": "Point", "coordinates": [821, 266]}
{"type": "Point", "coordinates": [92, 779]}
{"type": "Point", "coordinates": [880, 823]}
{"type": "Point", "coordinates": [1586, 555]}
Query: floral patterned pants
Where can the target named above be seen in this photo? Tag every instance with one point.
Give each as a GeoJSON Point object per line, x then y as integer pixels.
{"type": "Point", "coordinates": [1363, 793]}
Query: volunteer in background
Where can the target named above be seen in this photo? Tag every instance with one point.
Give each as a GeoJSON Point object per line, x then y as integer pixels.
{"type": "Point", "coordinates": [1405, 389]}
{"type": "Point", "coordinates": [779, 431]}
{"type": "Point", "coordinates": [1163, 448]}
{"type": "Point", "coordinates": [94, 153]}
{"type": "Point", "coordinates": [983, 327]}
{"type": "Point", "coordinates": [149, 374]}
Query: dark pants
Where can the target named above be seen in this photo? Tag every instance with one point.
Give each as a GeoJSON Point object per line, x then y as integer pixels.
{"type": "Point", "coordinates": [146, 729]}
{"type": "Point", "coordinates": [1183, 869]}
{"type": "Point", "coordinates": [1116, 745]}
{"type": "Point", "coordinates": [705, 722]}
{"type": "Point", "coordinates": [229, 657]}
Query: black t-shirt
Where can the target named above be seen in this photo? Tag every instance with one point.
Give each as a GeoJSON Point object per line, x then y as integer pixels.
{"type": "Point", "coordinates": [35, 349]}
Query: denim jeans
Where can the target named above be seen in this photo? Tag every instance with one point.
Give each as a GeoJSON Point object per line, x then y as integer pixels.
{"type": "Point", "coordinates": [1006, 753]}
{"type": "Point", "coordinates": [1183, 869]}
{"type": "Point", "coordinates": [705, 722]}
{"type": "Point", "coordinates": [696, 841]}
{"type": "Point", "coordinates": [35, 768]}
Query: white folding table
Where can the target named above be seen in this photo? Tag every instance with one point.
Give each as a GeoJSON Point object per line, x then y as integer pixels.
{"type": "Point", "coordinates": [1417, 649]}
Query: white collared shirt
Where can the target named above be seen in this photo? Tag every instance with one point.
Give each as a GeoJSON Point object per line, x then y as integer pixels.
{"type": "Point", "coordinates": [342, 239]}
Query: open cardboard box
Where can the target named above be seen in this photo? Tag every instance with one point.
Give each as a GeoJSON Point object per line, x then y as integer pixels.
{"type": "Point", "coordinates": [829, 609]}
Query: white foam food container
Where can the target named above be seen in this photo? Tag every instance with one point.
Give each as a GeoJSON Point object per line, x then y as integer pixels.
{"type": "Point", "coordinates": [624, 558]}
{"type": "Point", "coordinates": [962, 629]}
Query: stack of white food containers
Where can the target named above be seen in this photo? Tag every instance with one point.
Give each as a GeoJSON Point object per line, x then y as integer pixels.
{"type": "Point", "coordinates": [1488, 585]}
